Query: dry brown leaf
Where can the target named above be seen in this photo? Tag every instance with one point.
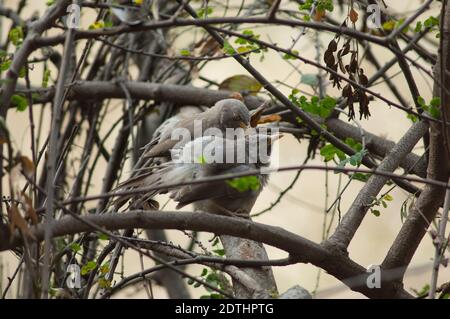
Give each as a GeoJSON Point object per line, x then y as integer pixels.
{"type": "Point", "coordinates": [17, 221]}
{"type": "Point", "coordinates": [270, 119]}
{"type": "Point", "coordinates": [353, 15]}
{"type": "Point", "coordinates": [27, 165]}
{"type": "Point", "coordinates": [319, 15]}
{"type": "Point", "coordinates": [29, 209]}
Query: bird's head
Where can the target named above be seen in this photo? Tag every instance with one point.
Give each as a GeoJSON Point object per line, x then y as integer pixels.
{"type": "Point", "coordinates": [232, 114]}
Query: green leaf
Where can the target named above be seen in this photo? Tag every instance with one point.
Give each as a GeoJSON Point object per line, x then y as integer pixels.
{"type": "Point", "coordinates": [4, 66]}
{"type": "Point", "coordinates": [288, 56]}
{"type": "Point", "coordinates": [46, 78]}
{"type": "Point", "coordinates": [185, 52]}
{"type": "Point", "coordinates": [104, 269]}
{"type": "Point", "coordinates": [376, 212]}
{"type": "Point", "coordinates": [228, 48]}
{"type": "Point", "coordinates": [431, 22]}
{"type": "Point", "coordinates": [20, 102]}
{"type": "Point", "coordinates": [412, 117]}
{"type": "Point", "coordinates": [197, 284]}
{"type": "Point", "coordinates": [203, 13]}
{"type": "Point", "coordinates": [329, 152]}
{"type": "Point", "coordinates": [103, 236]}
{"type": "Point", "coordinates": [389, 25]}
{"type": "Point", "coordinates": [86, 269]}
{"type": "Point", "coordinates": [418, 27]}
{"type": "Point", "coordinates": [75, 247]}
{"type": "Point", "coordinates": [22, 72]}
{"type": "Point", "coordinates": [241, 83]}
{"type": "Point", "coordinates": [16, 36]}
{"type": "Point", "coordinates": [97, 25]}
{"type": "Point", "coordinates": [104, 284]}
{"type": "Point", "coordinates": [244, 184]}
{"type": "Point", "coordinates": [220, 252]}
{"type": "Point", "coordinates": [435, 102]}
{"type": "Point", "coordinates": [361, 177]}
{"type": "Point", "coordinates": [421, 101]}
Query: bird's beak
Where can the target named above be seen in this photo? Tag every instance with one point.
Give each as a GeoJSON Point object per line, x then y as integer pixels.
{"type": "Point", "coordinates": [256, 114]}
{"type": "Point", "coordinates": [275, 138]}
{"type": "Point", "coordinates": [243, 125]}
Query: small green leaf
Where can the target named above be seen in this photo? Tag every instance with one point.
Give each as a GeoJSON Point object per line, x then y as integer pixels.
{"type": "Point", "coordinates": [86, 269]}
{"type": "Point", "coordinates": [104, 284]}
{"type": "Point", "coordinates": [435, 102]}
{"type": "Point", "coordinates": [20, 102]}
{"type": "Point", "coordinates": [185, 52]}
{"type": "Point", "coordinates": [228, 48]}
{"type": "Point", "coordinates": [418, 27]}
{"type": "Point", "coordinates": [4, 66]}
{"type": "Point", "coordinates": [203, 13]}
{"type": "Point", "coordinates": [16, 36]}
{"type": "Point", "coordinates": [220, 252]}
{"type": "Point", "coordinates": [104, 269]}
{"type": "Point", "coordinates": [412, 117]}
{"type": "Point", "coordinates": [241, 83]}
{"type": "Point", "coordinates": [244, 184]}
{"type": "Point", "coordinates": [103, 236]}
{"type": "Point", "coordinates": [288, 56]}
{"type": "Point", "coordinates": [376, 212]}
{"type": "Point", "coordinates": [389, 25]}
{"type": "Point", "coordinates": [361, 177]}
{"type": "Point", "coordinates": [202, 160]}
{"type": "Point", "coordinates": [75, 247]}
{"type": "Point", "coordinates": [421, 101]}
{"type": "Point", "coordinates": [46, 78]}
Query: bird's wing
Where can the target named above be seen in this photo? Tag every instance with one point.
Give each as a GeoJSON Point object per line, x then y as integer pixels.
{"type": "Point", "coordinates": [189, 194]}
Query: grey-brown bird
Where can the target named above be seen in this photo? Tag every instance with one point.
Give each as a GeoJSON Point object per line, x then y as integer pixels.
{"type": "Point", "coordinates": [227, 113]}
{"type": "Point", "coordinates": [209, 156]}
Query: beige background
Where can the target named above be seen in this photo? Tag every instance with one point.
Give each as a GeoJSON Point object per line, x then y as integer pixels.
{"type": "Point", "coordinates": [302, 211]}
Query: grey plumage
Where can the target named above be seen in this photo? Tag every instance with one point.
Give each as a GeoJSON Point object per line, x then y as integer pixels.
{"type": "Point", "coordinates": [217, 193]}
{"type": "Point", "coordinates": [227, 113]}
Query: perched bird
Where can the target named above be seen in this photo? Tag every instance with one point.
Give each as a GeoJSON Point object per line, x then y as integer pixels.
{"type": "Point", "coordinates": [227, 113]}
{"type": "Point", "coordinates": [209, 156]}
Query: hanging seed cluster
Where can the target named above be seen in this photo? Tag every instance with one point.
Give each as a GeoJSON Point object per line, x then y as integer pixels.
{"type": "Point", "coordinates": [344, 59]}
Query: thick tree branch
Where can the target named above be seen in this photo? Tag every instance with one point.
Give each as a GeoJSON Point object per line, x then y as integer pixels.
{"type": "Point", "coordinates": [355, 215]}
{"type": "Point", "coordinates": [303, 250]}
{"type": "Point", "coordinates": [431, 198]}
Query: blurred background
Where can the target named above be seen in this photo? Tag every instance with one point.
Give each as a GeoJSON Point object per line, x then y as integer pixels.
{"type": "Point", "coordinates": [302, 210]}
